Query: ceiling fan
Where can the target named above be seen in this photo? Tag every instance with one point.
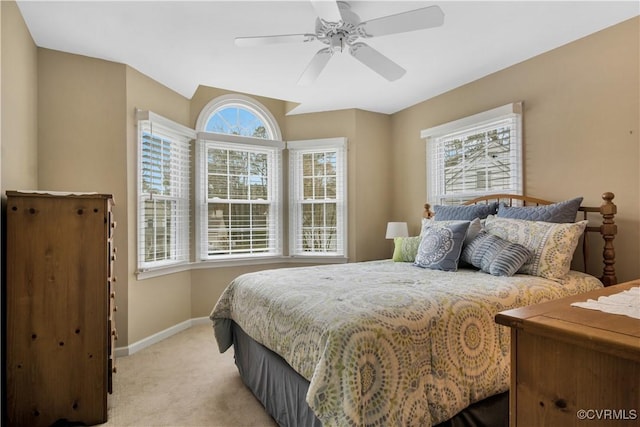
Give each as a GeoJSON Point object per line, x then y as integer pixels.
{"type": "Point", "coordinates": [340, 28]}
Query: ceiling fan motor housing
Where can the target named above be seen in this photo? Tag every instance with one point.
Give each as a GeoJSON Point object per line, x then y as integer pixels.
{"type": "Point", "coordinates": [341, 33]}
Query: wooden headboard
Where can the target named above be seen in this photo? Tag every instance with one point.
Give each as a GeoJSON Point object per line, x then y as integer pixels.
{"type": "Point", "coordinates": [607, 228]}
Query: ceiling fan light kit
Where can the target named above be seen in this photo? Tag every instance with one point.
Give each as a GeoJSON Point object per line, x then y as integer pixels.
{"type": "Point", "coordinates": [339, 27]}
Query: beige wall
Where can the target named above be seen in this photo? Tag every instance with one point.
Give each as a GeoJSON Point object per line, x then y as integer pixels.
{"type": "Point", "coordinates": [207, 284]}
{"type": "Point", "coordinates": [205, 94]}
{"type": "Point", "coordinates": [19, 99]}
{"type": "Point", "coordinates": [157, 303]}
{"type": "Point", "coordinates": [82, 141]}
{"type": "Point", "coordinates": [332, 124]}
{"type": "Point", "coordinates": [368, 137]}
{"type": "Point", "coordinates": [81, 144]}
{"type": "Point", "coordinates": [581, 136]}
{"type": "Point", "coordinates": [371, 187]}
{"type": "Point", "coordinates": [581, 130]}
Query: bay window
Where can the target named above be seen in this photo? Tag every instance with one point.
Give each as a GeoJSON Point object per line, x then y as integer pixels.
{"type": "Point", "coordinates": [237, 201]}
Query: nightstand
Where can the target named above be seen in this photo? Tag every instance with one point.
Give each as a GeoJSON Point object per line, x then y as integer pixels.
{"type": "Point", "coordinates": [572, 366]}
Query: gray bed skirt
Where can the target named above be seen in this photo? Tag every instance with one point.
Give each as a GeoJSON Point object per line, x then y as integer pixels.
{"type": "Point", "coordinates": [282, 391]}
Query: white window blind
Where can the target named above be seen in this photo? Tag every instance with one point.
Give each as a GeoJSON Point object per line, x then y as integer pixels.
{"type": "Point", "coordinates": [474, 156]}
{"type": "Point", "coordinates": [240, 193]}
{"type": "Point", "coordinates": [163, 191]}
{"type": "Point", "coordinates": [318, 199]}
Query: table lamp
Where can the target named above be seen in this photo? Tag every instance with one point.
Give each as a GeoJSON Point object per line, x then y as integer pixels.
{"type": "Point", "coordinates": [397, 229]}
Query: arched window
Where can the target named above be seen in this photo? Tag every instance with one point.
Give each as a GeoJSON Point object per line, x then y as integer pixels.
{"type": "Point", "coordinates": [239, 180]}
{"type": "Point", "coordinates": [238, 115]}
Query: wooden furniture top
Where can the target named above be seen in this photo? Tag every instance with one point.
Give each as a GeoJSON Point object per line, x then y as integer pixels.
{"type": "Point", "coordinates": [13, 193]}
{"type": "Point", "coordinates": [605, 332]}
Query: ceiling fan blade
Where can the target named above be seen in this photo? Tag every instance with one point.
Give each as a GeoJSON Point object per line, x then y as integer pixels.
{"type": "Point", "coordinates": [419, 19]}
{"type": "Point", "coordinates": [267, 40]}
{"type": "Point", "coordinates": [327, 10]}
{"type": "Point", "coordinates": [376, 61]}
{"type": "Point", "coordinates": [315, 67]}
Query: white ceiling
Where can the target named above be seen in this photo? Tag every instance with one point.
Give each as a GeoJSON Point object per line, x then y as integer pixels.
{"type": "Point", "coordinates": [183, 44]}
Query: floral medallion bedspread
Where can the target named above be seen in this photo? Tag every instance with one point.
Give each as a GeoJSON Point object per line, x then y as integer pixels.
{"type": "Point", "coordinates": [385, 343]}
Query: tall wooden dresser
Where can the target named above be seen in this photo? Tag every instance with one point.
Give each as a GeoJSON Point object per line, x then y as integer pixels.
{"type": "Point", "coordinates": [59, 307]}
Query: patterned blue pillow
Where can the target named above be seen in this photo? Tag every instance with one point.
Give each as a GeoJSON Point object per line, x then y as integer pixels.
{"type": "Point", "coordinates": [495, 255]}
{"type": "Point", "coordinates": [563, 212]}
{"type": "Point", "coordinates": [441, 245]}
{"type": "Point", "coordinates": [464, 212]}
{"type": "Point", "coordinates": [474, 228]}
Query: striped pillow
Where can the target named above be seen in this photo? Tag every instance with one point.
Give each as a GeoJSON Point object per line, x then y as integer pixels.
{"type": "Point", "coordinates": [552, 244]}
{"type": "Point", "coordinates": [495, 255]}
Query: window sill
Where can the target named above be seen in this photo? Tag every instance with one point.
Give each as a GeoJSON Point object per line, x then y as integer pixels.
{"type": "Point", "coordinates": [161, 271]}
{"type": "Point", "coordinates": [314, 259]}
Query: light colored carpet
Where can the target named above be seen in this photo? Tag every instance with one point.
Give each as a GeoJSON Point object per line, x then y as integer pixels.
{"type": "Point", "coordinates": [183, 381]}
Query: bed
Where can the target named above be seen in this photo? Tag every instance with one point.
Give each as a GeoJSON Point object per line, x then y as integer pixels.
{"type": "Point", "coordinates": [387, 343]}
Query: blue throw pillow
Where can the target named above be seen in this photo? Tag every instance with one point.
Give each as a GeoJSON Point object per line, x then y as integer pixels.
{"type": "Point", "coordinates": [464, 212]}
{"type": "Point", "coordinates": [563, 212]}
{"type": "Point", "coordinates": [441, 245]}
{"type": "Point", "coordinates": [495, 255]}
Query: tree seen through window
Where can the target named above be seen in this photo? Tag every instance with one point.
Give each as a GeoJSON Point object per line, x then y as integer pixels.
{"type": "Point", "coordinates": [236, 120]}
{"type": "Point", "coordinates": [239, 185]}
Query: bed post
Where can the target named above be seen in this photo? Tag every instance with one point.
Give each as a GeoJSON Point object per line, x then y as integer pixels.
{"type": "Point", "coordinates": [608, 229]}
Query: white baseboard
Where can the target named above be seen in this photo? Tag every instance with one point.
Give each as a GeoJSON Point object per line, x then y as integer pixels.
{"type": "Point", "coordinates": [157, 337]}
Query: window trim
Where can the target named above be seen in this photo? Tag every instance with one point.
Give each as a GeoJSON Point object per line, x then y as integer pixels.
{"type": "Point", "coordinates": [430, 135]}
{"type": "Point", "coordinates": [171, 129]}
{"type": "Point", "coordinates": [205, 138]}
{"type": "Point", "coordinates": [263, 112]}
{"type": "Point", "coordinates": [198, 166]}
{"type": "Point", "coordinates": [339, 144]}
{"type": "Point", "coordinates": [242, 101]}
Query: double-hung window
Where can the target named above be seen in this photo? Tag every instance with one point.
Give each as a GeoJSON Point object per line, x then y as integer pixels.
{"type": "Point", "coordinates": [240, 208]}
{"type": "Point", "coordinates": [474, 156]}
{"type": "Point", "coordinates": [164, 164]}
{"type": "Point", "coordinates": [239, 178]}
{"type": "Point", "coordinates": [317, 197]}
